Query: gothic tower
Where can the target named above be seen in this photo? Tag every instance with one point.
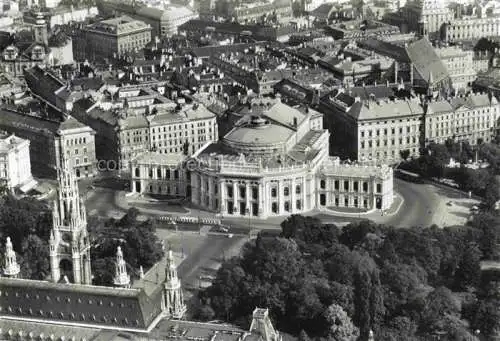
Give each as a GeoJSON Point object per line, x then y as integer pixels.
{"type": "Point", "coordinates": [11, 268]}
{"type": "Point", "coordinates": [69, 240]}
{"type": "Point", "coordinates": [174, 300]}
{"type": "Point", "coordinates": [122, 279]}
{"type": "Point", "coordinates": [40, 28]}
{"type": "Point", "coordinates": [262, 325]}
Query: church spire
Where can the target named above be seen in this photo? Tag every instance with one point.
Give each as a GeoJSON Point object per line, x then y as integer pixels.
{"type": "Point", "coordinates": [122, 279]}
{"type": "Point", "coordinates": [69, 240]}
{"type": "Point", "coordinates": [11, 268]}
{"type": "Point", "coordinates": [174, 299]}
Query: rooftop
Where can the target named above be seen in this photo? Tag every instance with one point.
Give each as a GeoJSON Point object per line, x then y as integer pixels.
{"type": "Point", "coordinates": [152, 158]}
{"type": "Point", "coordinates": [332, 165]}
{"type": "Point", "coordinates": [120, 25]}
{"type": "Point", "coordinates": [8, 142]}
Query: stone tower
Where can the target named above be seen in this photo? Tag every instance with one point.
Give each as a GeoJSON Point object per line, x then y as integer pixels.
{"type": "Point", "coordinates": [174, 300]}
{"type": "Point", "coordinates": [69, 240]}
{"type": "Point", "coordinates": [122, 279]}
{"type": "Point", "coordinates": [261, 325]}
{"type": "Point", "coordinates": [40, 30]}
{"type": "Point", "coordinates": [11, 268]}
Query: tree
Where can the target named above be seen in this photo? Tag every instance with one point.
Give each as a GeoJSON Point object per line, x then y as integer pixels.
{"type": "Point", "coordinates": [206, 313]}
{"type": "Point", "coordinates": [469, 270]}
{"type": "Point", "coordinates": [487, 318]}
{"type": "Point", "coordinates": [35, 262]}
{"type": "Point", "coordinates": [439, 305]}
{"type": "Point", "coordinates": [341, 327]}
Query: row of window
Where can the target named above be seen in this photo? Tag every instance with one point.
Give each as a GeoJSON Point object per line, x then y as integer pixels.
{"type": "Point", "coordinates": [159, 173]}
{"type": "Point", "coordinates": [346, 187]}
{"type": "Point", "coordinates": [393, 142]}
{"type": "Point", "coordinates": [72, 142]}
{"type": "Point", "coordinates": [255, 191]}
{"type": "Point", "coordinates": [370, 133]}
{"type": "Point", "coordinates": [174, 127]}
{"type": "Point", "coordinates": [242, 209]}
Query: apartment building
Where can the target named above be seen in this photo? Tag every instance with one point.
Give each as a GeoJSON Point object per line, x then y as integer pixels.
{"type": "Point", "coordinates": [111, 38]}
{"type": "Point", "coordinates": [460, 65]}
{"type": "Point", "coordinates": [472, 118]}
{"type": "Point", "coordinates": [15, 166]}
{"type": "Point", "coordinates": [48, 138]}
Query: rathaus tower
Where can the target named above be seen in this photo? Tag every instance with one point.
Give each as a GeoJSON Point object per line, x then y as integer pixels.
{"type": "Point", "coordinates": [69, 240]}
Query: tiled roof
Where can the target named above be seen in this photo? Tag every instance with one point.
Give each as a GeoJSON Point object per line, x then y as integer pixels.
{"type": "Point", "coordinates": [10, 118]}
{"type": "Point", "coordinates": [103, 306]}
{"type": "Point", "coordinates": [426, 61]}
{"type": "Point", "coordinates": [45, 330]}
{"type": "Point", "coordinates": [9, 142]}
{"type": "Point", "coordinates": [151, 158]}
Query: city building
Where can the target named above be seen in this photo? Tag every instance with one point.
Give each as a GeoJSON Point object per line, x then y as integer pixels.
{"type": "Point", "coordinates": [360, 29]}
{"type": "Point", "coordinates": [275, 162]}
{"type": "Point", "coordinates": [149, 122]}
{"type": "Point", "coordinates": [47, 137]}
{"type": "Point", "coordinates": [253, 12]}
{"type": "Point", "coordinates": [163, 19]}
{"type": "Point", "coordinates": [64, 15]}
{"type": "Point", "coordinates": [468, 28]}
{"type": "Point", "coordinates": [472, 118]}
{"type": "Point", "coordinates": [15, 166]}
{"type": "Point", "coordinates": [460, 65]}
{"type": "Point", "coordinates": [416, 62]}
{"type": "Point", "coordinates": [427, 16]}
{"type": "Point", "coordinates": [374, 129]}
{"type": "Point", "coordinates": [164, 174]}
{"type": "Point", "coordinates": [112, 38]}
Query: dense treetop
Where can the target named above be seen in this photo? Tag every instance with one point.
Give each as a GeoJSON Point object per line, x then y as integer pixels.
{"type": "Point", "coordinates": [323, 282]}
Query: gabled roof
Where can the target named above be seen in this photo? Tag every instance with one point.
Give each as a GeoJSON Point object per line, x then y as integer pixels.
{"type": "Point", "coordinates": [426, 61]}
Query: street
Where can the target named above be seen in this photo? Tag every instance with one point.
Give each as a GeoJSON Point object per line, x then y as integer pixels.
{"type": "Point", "coordinates": [423, 205]}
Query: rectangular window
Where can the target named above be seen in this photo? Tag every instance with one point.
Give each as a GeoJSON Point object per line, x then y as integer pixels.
{"type": "Point", "coordinates": [336, 184]}
{"type": "Point", "coordinates": [379, 188]}
{"type": "Point", "coordinates": [346, 202]}
{"type": "Point", "coordinates": [274, 192]}
{"type": "Point", "coordinates": [243, 192]}
{"type": "Point", "coordinates": [355, 186]}
{"type": "Point", "coordinates": [287, 206]}
{"type": "Point", "coordinates": [229, 191]}
{"type": "Point", "coordinates": [274, 207]}
{"type": "Point", "coordinates": [346, 185]}
{"type": "Point", "coordinates": [298, 205]}
{"type": "Point", "coordinates": [365, 186]}
{"type": "Point", "coordinates": [255, 209]}
{"type": "Point", "coordinates": [255, 193]}
{"type": "Point", "coordinates": [230, 207]}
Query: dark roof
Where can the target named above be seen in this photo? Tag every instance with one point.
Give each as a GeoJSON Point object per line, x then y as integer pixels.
{"type": "Point", "coordinates": [291, 89]}
{"type": "Point", "coordinates": [103, 306]}
{"type": "Point", "coordinates": [93, 83]}
{"type": "Point", "coordinates": [10, 118]}
{"type": "Point", "coordinates": [426, 61]}
{"type": "Point", "coordinates": [379, 91]}
{"type": "Point", "coordinates": [386, 49]}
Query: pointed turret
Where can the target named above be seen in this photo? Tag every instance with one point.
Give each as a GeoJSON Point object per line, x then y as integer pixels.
{"type": "Point", "coordinates": [261, 325]}
{"type": "Point", "coordinates": [174, 299]}
{"type": "Point", "coordinates": [69, 238]}
{"type": "Point", "coordinates": [11, 268]}
{"type": "Point", "coordinates": [122, 279]}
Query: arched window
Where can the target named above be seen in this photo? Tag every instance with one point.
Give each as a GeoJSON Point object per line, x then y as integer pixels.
{"type": "Point", "coordinates": [286, 191]}
{"type": "Point", "coordinates": [274, 192]}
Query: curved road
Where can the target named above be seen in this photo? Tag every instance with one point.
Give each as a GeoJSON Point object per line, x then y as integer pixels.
{"type": "Point", "coordinates": [418, 208]}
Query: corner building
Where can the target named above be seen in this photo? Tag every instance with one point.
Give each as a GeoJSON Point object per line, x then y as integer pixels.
{"type": "Point", "coordinates": [275, 162]}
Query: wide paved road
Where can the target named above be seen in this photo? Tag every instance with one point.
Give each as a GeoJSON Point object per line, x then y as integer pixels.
{"type": "Point", "coordinates": [418, 208]}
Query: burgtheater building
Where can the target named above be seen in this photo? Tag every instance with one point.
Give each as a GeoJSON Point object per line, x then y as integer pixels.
{"type": "Point", "coordinates": [275, 161]}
